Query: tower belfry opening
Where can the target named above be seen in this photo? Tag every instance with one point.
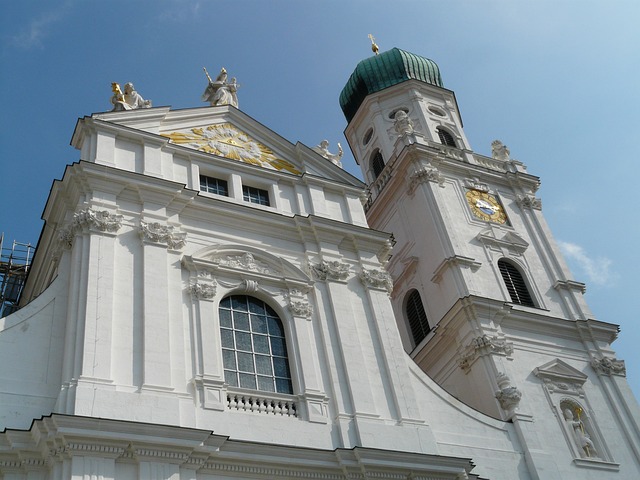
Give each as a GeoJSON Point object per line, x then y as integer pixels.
{"type": "Point", "coordinates": [14, 266]}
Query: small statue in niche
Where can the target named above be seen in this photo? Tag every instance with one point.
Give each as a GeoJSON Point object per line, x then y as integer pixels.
{"type": "Point", "coordinates": [129, 100]}
{"type": "Point", "coordinates": [580, 435]}
{"type": "Point", "coordinates": [323, 150]}
{"type": "Point", "coordinates": [499, 150]}
{"type": "Point", "coordinates": [219, 91]}
{"type": "Point", "coordinates": [402, 123]}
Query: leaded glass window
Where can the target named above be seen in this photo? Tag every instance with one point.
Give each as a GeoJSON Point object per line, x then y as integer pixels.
{"type": "Point", "coordinates": [254, 347]}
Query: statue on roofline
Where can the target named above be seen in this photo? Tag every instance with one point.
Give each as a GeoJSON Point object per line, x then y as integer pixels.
{"type": "Point", "coordinates": [219, 91]}
{"type": "Point", "coordinates": [129, 100]}
{"type": "Point", "coordinates": [323, 150]}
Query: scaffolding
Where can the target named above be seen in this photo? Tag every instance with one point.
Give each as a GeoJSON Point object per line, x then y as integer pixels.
{"type": "Point", "coordinates": [14, 266]}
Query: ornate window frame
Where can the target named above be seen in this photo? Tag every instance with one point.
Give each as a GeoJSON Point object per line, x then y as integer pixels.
{"type": "Point", "coordinates": [218, 271]}
{"type": "Point", "coordinates": [563, 385]}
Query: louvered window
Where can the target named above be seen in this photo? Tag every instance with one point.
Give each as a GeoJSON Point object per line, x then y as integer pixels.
{"type": "Point", "coordinates": [254, 349]}
{"type": "Point", "coordinates": [446, 138]}
{"type": "Point", "coordinates": [377, 164]}
{"type": "Point", "coordinates": [417, 317]}
{"type": "Point", "coordinates": [515, 284]}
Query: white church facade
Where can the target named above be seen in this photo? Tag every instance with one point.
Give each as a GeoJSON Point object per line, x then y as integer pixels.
{"type": "Point", "coordinates": [210, 301]}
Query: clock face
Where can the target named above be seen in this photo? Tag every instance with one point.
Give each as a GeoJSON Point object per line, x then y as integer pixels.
{"type": "Point", "coordinates": [225, 140]}
{"type": "Point", "coordinates": [486, 206]}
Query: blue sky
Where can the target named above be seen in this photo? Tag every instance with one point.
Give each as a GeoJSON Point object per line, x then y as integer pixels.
{"type": "Point", "coordinates": [556, 81]}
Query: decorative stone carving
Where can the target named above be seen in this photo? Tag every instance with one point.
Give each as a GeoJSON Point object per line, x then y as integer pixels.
{"type": "Point", "coordinates": [323, 150]}
{"type": "Point", "coordinates": [167, 234]}
{"type": "Point", "coordinates": [100, 220]}
{"type": "Point", "coordinates": [66, 236]}
{"type": "Point", "coordinates": [246, 261]}
{"type": "Point", "coordinates": [484, 345]}
{"type": "Point", "coordinates": [508, 395]}
{"type": "Point", "coordinates": [529, 201]}
{"type": "Point", "coordinates": [331, 270]}
{"type": "Point", "coordinates": [300, 308]}
{"type": "Point", "coordinates": [499, 151]}
{"type": "Point", "coordinates": [88, 218]}
{"type": "Point", "coordinates": [609, 366]}
{"type": "Point", "coordinates": [376, 278]}
{"type": "Point", "coordinates": [402, 123]}
{"type": "Point", "coordinates": [219, 91]}
{"type": "Point", "coordinates": [427, 174]}
{"type": "Point", "coordinates": [129, 100]}
{"type": "Point", "coordinates": [202, 290]}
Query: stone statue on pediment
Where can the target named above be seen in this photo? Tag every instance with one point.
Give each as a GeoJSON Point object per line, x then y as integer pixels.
{"type": "Point", "coordinates": [219, 91]}
{"type": "Point", "coordinates": [127, 100]}
{"type": "Point", "coordinates": [323, 150]}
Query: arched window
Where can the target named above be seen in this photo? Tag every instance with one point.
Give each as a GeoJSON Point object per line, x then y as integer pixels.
{"type": "Point", "coordinates": [515, 283]}
{"type": "Point", "coordinates": [416, 317]}
{"type": "Point", "coordinates": [445, 137]}
{"type": "Point", "coordinates": [254, 349]}
{"type": "Point", "coordinates": [377, 163]}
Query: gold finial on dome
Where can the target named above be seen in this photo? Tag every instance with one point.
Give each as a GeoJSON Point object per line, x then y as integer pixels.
{"type": "Point", "coordinates": [374, 46]}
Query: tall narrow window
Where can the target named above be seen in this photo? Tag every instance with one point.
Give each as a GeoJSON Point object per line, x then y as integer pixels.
{"type": "Point", "coordinates": [515, 283]}
{"type": "Point", "coordinates": [214, 185]}
{"type": "Point", "coordinates": [255, 195]}
{"type": "Point", "coordinates": [377, 164]}
{"type": "Point", "coordinates": [254, 350]}
{"type": "Point", "coordinates": [416, 317]}
{"type": "Point", "coordinates": [445, 137]}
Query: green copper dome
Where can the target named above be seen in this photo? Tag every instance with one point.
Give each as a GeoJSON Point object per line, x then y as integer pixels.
{"type": "Point", "coordinates": [381, 71]}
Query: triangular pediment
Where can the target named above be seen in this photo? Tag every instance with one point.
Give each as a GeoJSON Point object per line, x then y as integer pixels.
{"type": "Point", "coordinates": [557, 370]}
{"type": "Point", "coordinates": [229, 133]}
{"type": "Point", "coordinates": [510, 240]}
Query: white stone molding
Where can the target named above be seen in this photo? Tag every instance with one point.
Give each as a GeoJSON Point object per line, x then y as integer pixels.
{"type": "Point", "coordinates": [424, 175]}
{"type": "Point", "coordinates": [455, 261]}
{"type": "Point", "coordinates": [202, 291]}
{"type": "Point", "coordinates": [529, 202]}
{"type": "Point", "coordinates": [510, 241]}
{"type": "Point", "coordinates": [609, 366]}
{"type": "Point", "coordinates": [377, 279]}
{"type": "Point", "coordinates": [508, 395]}
{"type": "Point", "coordinates": [476, 184]}
{"type": "Point", "coordinates": [482, 346]}
{"type": "Point", "coordinates": [330, 271]}
{"type": "Point", "coordinates": [168, 235]}
{"type": "Point", "coordinates": [559, 377]}
{"type": "Point", "coordinates": [570, 285]}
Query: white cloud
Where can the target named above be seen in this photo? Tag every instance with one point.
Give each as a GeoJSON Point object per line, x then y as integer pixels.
{"type": "Point", "coordinates": [36, 31]}
{"type": "Point", "coordinates": [596, 269]}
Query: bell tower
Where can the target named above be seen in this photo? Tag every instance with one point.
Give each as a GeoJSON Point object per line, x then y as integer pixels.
{"type": "Point", "coordinates": [481, 293]}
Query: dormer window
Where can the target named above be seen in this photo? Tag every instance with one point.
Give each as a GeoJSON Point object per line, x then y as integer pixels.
{"type": "Point", "coordinates": [445, 137]}
{"type": "Point", "coordinates": [377, 164]}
